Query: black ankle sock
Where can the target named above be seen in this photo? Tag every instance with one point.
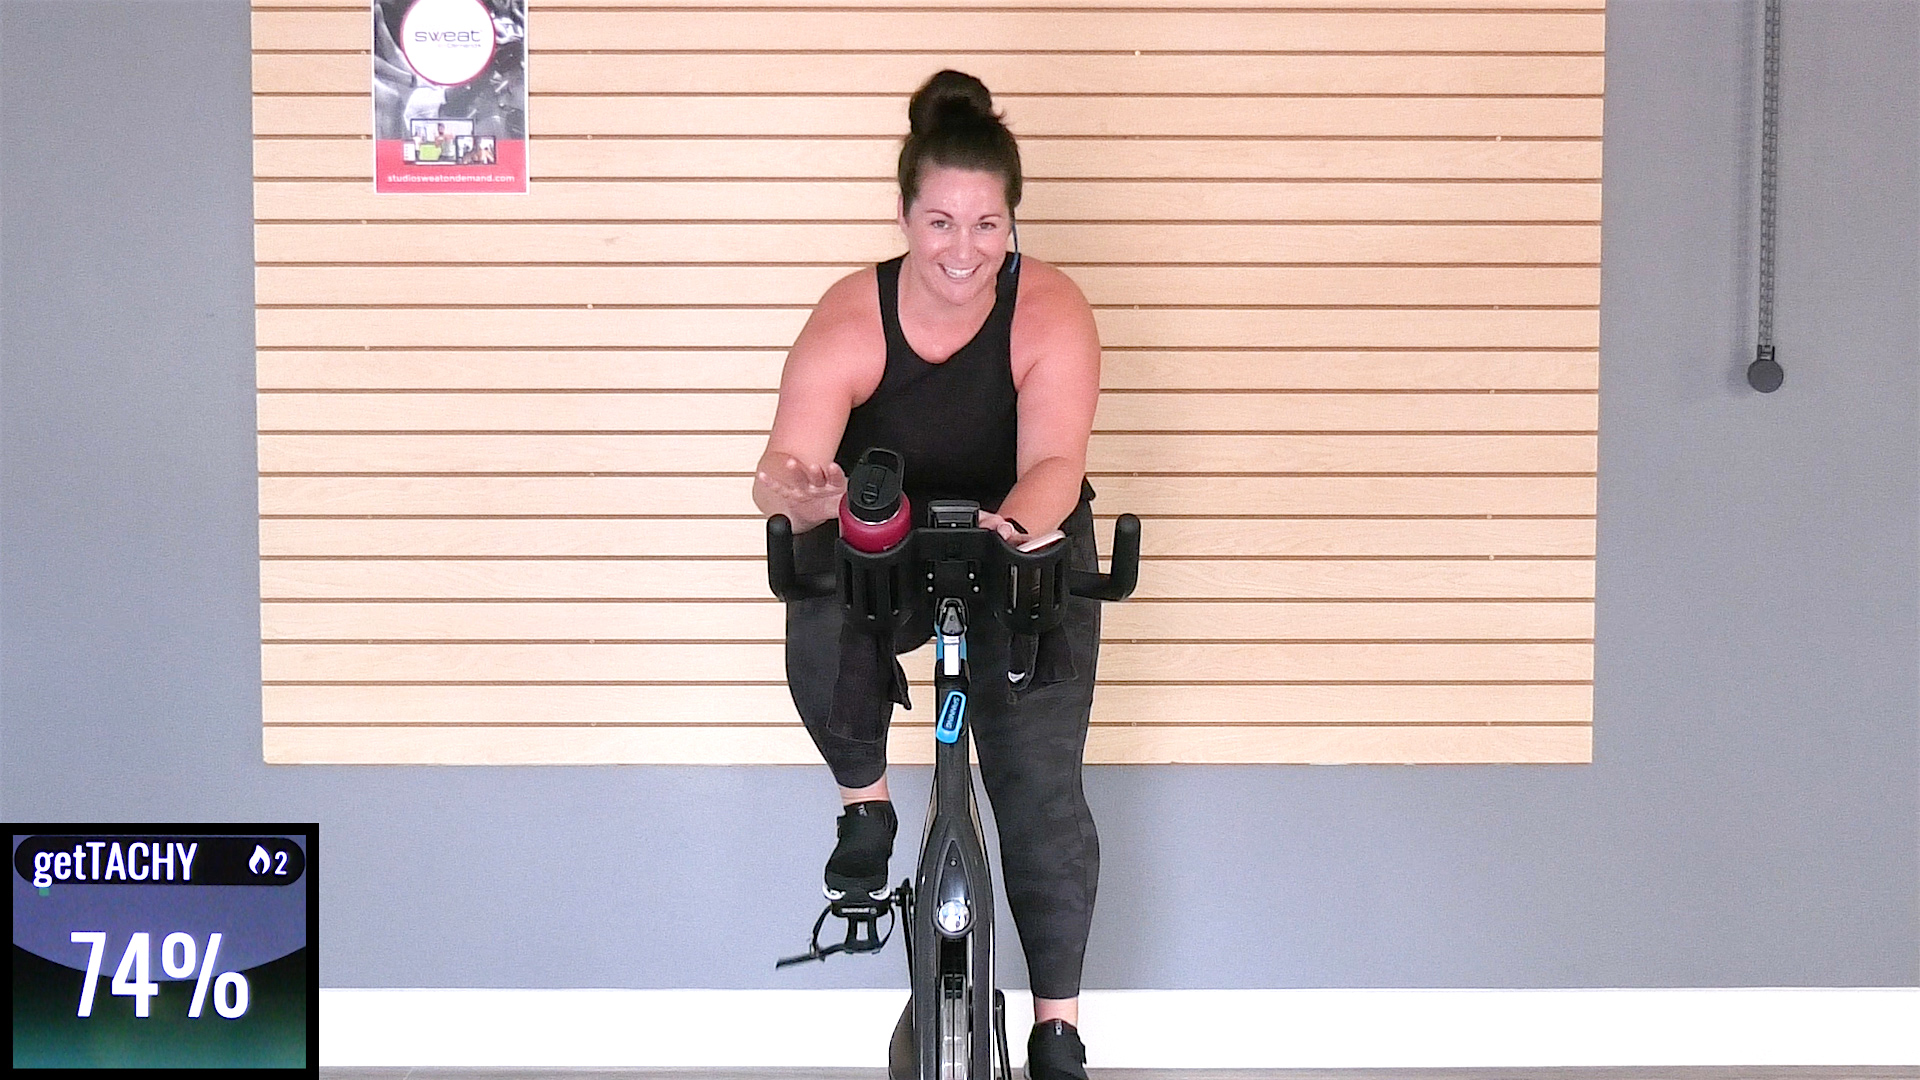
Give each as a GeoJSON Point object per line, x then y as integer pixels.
{"type": "Point", "coordinates": [1054, 1052]}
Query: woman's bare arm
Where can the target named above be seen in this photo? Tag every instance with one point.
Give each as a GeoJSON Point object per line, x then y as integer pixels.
{"type": "Point", "coordinates": [1057, 341]}
{"type": "Point", "coordinates": [830, 369]}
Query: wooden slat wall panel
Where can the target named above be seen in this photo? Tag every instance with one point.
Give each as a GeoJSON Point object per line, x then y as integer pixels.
{"type": "Point", "coordinates": [797, 287]}
{"type": "Point", "coordinates": [1164, 243]}
{"type": "Point", "coordinates": [707, 31]}
{"type": "Point", "coordinates": [1155, 494]}
{"type": "Point", "coordinates": [628, 578]}
{"type": "Point", "coordinates": [1344, 255]}
{"type": "Point", "coordinates": [713, 454]}
{"type": "Point", "coordinates": [742, 537]}
{"type": "Point", "coordinates": [1123, 371]}
{"type": "Point", "coordinates": [1075, 159]}
{"type": "Point", "coordinates": [513, 743]}
{"type": "Point", "coordinates": [884, 74]}
{"type": "Point", "coordinates": [1041, 117]}
{"type": "Point", "coordinates": [693, 327]}
{"type": "Point", "coordinates": [699, 620]}
{"type": "Point", "coordinates": [1184, 410]}
{"type": "Point", "coordinates": [660, 705]}
{"type": "Point", "coordinates": [1120, 662]}
{"type": "Point", "coordinates": [912, 5]}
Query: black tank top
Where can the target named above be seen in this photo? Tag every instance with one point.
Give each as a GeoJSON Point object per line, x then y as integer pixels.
{"type": "Point", "coordinates": [956, 423]}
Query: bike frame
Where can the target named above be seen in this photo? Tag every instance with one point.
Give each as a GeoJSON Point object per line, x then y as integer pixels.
{"type": "Point", "coordinates": [952, 573]}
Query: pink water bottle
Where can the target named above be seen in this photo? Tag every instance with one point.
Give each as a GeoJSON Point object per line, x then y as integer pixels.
{"type": "Point", "coordinates": [875, 513]}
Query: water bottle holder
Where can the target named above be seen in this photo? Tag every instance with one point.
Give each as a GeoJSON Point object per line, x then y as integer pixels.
{"type": "Point", "coordinates": [877, 590]}
{"type": "Point", "coordinates": [886, 591]}
{"type": "Point", "coordinates": [1036, 587]}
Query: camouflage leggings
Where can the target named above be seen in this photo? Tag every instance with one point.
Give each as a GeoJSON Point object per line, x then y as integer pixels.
{"type": "Point", "coordinates": [1030, 743]}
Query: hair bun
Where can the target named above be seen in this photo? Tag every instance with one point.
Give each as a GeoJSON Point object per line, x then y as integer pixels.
{"type": "Point", "coordinates": [949, 99]}
{"type": "Point", "coordinates": [954, 125]}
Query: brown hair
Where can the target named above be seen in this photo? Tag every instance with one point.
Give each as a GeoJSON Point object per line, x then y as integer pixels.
{"type": "Point", "coordinates": [952, 123]}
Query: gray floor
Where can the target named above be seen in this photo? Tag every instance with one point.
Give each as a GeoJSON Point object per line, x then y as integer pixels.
{"type": "Point", "coordinates": [1692, 1073]}
{"type": "Point", "coordinates": [1689, 1073]}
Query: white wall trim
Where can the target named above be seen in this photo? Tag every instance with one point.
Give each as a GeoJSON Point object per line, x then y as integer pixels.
{"type": "Point", "coordinates": [1197, 1029]}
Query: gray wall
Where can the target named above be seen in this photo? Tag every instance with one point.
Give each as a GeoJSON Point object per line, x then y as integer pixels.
{"type": "Point", "coordinates": [1750, 816]}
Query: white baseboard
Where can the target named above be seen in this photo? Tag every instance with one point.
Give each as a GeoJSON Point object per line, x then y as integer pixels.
{"type": "Point", "coordinates": [1195, 1029]}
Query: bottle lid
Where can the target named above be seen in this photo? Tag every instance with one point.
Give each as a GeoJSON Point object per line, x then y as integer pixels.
{"type": "Point", "coordinates": [873, 491]}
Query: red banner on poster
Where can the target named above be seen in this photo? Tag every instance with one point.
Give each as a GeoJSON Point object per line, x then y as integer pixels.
{"type": "Point", "coordinates": [501, 166]}
{"type": "Point", "coordinates": [450, 96]}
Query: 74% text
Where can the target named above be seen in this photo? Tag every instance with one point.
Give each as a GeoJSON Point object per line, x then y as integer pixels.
{"type": "Point", "coordinates": [177, 958]}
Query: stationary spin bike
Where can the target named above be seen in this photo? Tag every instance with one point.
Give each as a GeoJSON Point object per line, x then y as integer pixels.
{"type": "Point", "coordinates": [948, 575]}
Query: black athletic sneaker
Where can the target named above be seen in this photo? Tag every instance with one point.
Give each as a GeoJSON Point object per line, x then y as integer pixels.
{"type": "Point", "coordinates": [858, 867]}
{"type": "Point", "coordinates": [1054, 1052]}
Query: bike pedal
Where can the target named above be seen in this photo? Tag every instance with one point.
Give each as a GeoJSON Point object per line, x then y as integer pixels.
{"type": "Point", "coordinates": [863, 929]}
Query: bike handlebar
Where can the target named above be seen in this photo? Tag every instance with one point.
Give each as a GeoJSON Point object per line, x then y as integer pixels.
{"type": "Point", "coordinates": [787, 583]}
{"type": "Point", "coordinates": [1124, 571]}
{"type": "Point", "coordinates": [1124, 568]}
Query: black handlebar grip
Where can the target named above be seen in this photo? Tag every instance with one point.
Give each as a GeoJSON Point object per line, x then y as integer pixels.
{"type": "Point", "coordinates": [1124, 569]}
{"type": "Point", "coordinates": [782, 578]}
{"type": "Point", "coordinates": [780, 555]}
{"type": "Point", "coordinates": [1126, 558]}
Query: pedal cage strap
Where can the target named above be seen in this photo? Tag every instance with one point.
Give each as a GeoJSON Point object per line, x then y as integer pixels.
{"type": "Point", "coordinates": [863, 929]}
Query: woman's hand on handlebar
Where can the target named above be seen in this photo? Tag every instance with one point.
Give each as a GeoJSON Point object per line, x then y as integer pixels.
{"type": "Point", "coordinates": [1011, 535]}
{"type": "Point", "coordinates": [807, 494]}
{"type": "Point", "coordinates": [1006, 529]}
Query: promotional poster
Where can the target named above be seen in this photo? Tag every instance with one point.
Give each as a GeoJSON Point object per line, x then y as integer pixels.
{"type": "Point", "coordinates": [450, 95]}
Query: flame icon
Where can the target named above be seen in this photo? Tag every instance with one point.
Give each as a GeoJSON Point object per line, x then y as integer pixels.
{"type": "Point", "coordinates": [259, 863]}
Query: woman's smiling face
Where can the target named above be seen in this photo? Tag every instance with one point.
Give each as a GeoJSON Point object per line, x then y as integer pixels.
{"type": "Point", "coordinates": [957, 232]}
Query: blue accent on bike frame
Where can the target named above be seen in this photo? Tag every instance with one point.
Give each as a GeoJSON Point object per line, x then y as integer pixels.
{"type": "Point", "coordinates": [953, 709]}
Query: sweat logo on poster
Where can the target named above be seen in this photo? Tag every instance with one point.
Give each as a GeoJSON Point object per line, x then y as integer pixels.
{"type": "Point", "coordinates": [447, 42]}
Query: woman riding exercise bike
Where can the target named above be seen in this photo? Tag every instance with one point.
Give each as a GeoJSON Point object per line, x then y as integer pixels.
{"type": "Point", "coordinates": [982, 370]}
